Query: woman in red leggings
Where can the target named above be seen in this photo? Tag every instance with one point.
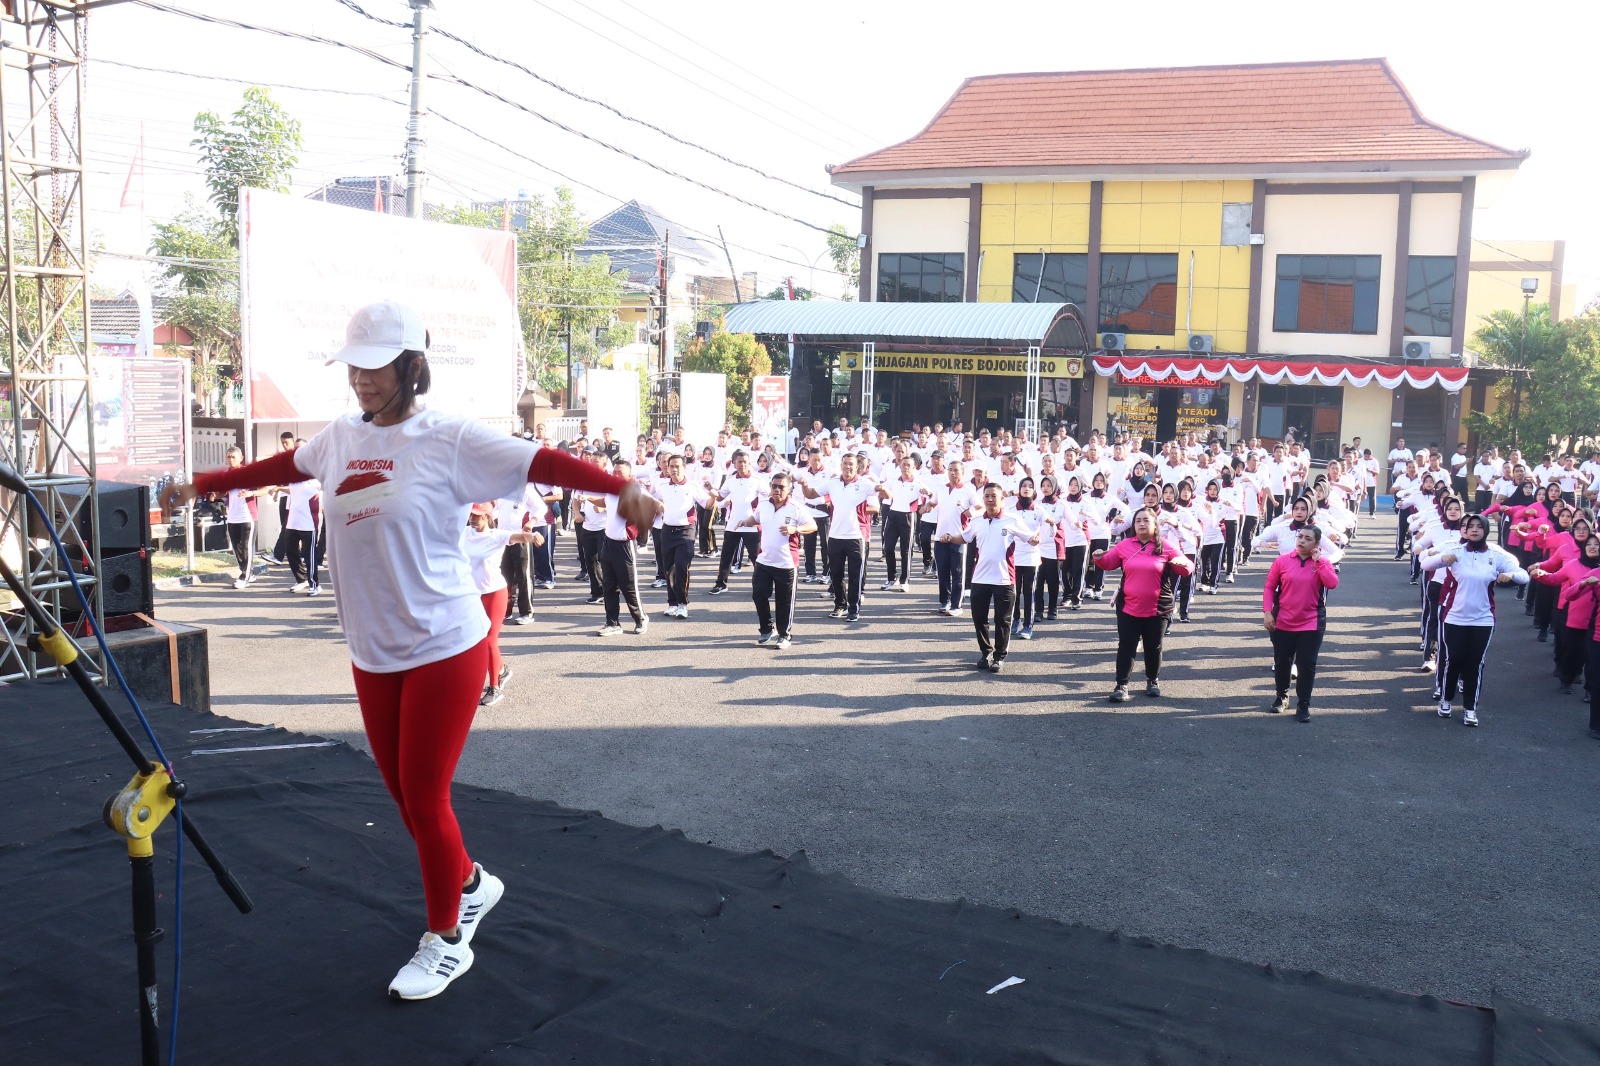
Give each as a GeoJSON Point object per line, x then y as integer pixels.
{"type": "Point", "coordinates": [399, 481]}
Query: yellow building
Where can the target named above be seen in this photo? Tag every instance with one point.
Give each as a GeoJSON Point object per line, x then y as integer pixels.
{"type": "Point", "coordinates": [1257, 249]}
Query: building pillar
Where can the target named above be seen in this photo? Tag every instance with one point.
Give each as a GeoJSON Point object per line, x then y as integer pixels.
{"type": "Point", "coordinates": [1091, 314]}
{"type": "Point", "coordinates": [1252, 341]}
{"type": "Point", "coordinates": [1397, 417]}
{"type": "Point", "coordinates": [974, 240]}
{"type": "Point", "coordinates": [1458, 312]}
{"type": "Point", "coordinates": [1402, 273]}
{"type": "Point", "coordinates": [866, 287]}
{"type": "Point", "coordinates": [1086, 391]}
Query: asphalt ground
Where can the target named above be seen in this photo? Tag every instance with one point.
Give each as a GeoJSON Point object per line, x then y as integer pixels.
{"type": "Point", "coordinates": [1378, 843]}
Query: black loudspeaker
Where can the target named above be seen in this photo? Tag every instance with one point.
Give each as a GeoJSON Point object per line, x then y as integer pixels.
{"type": "Point", "coordinates": [126, 583]}
{"type": "Point", "coordinates": [124, 516]}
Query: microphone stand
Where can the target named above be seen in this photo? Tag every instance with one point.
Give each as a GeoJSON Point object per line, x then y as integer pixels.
{"type": "Point", "coordinates": [136, 812]}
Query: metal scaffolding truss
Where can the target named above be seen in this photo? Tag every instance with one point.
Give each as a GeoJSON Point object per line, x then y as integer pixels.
{"type": "Point", "coordinates": [46, 392]}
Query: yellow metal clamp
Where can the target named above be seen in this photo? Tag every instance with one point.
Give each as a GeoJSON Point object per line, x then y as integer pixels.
{"type": "Point", "coordinates": [139, 809]}
{"type": "Point", "coordinates": [58, 647]}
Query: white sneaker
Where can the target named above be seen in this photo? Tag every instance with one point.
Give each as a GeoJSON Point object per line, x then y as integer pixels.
{"type": "Point", "coordinates": [301, 586]}
{"type": "Point", "coordinates": [436, 963]}
{"type": "Point", "coordinates": [608, 630]}
{"type": "Point", "coordinates": [783, 642]}
{"type": "Point", "coordinates": [641, 625]}
{"type": "Point", "coordinates": [1444, 709]}
{"type": "Point", "coordinates": [887, 586]}
{"type": "Point", "coordinates": [314, 590]}
{"type": "Point", "coordinates": [477, 904]}
{"type": "Point", "coordinates": [1429, 665]}
{"type": "Point", "coordinates": [1469, 717]}
{"type": "Point", "coordinates": [240, 583]}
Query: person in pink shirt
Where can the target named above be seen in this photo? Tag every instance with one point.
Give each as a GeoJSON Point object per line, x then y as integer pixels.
{"type": "Point", "coordinates": [1579, 585]}
{"type": "Point", "coordinates": [1294, 605]}
{"type": "Point", "coordinates": [1150, 567]}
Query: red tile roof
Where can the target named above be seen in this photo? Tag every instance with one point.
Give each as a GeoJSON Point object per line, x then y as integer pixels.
{"type": "Point", "coordinates": [1285, 114]}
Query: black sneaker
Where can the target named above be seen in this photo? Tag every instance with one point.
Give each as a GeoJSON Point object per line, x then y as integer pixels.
{"type": "Point", "coordinates": [1153, 690]}
{"type": "Point", "coordinates": [994, 665]}
{"type": "Point", "coordinates": [983, 663]}
{"type": "Point", "coordinates": [1303, 714]}
{"type": "Point", "coordinates": [852, 617]}
{"type": "Point", "coordinates": [1280, 704]}
{"type": "Point", "coordinates": [1119, 694]}
{"type": "Point", "coordinates": [717, 590]}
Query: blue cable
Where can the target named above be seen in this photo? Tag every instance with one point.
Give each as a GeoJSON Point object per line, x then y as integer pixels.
{"type": "Point", "coordinates": [161, 757]}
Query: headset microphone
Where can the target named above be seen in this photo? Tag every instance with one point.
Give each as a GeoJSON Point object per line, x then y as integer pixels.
{"type": "Point", "coordinates": [366, 416]}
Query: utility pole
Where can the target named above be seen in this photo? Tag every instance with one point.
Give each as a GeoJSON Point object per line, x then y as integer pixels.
{"type": "Point", "coordinates": [737, 295]}
{"type": "Point", "coordinates": [414, 172]}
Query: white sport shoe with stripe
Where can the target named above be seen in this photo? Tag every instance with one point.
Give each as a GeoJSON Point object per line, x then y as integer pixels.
{"type": "Point", "coordinates": [430, 971]}
{"type": "Point", "coordinates": [475, 905]}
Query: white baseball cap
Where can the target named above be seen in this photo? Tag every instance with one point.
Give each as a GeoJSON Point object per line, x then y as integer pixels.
{"type": "Point", "coordinates": [378, 333]}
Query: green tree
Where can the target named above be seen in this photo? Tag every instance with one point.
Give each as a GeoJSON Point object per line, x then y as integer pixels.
{"type": "Point", "coordinates": [256, 147]}
{"type": "Point", "coordinates": [846, 256]}
{"type": "Point", "coordinates": [1555, 368]}
{"type": "Point", "coordinates": [204, 290]}
{"type": "Point", "coordinates": [782, 293]}
{"type": "Point", "coordinates": [557, 292]}
{"type": "Point", "coordinates": [739, 357]}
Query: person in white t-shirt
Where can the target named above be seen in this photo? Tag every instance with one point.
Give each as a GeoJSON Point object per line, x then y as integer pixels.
{"type": "Point", "coordinates": [402, 479]}
{"type": "Point", "coordinates": [300, 528]}
{"type": "Point", "coordinates": [780, 521]}
{"type": "Point", "coordinates": [993, 536]}
{"type": "Point", "coordinates": [483, 545]}
{"type": "Point", "coordinates": [853, 498]}
{"type": "Point", "coordinates": [241, 519]}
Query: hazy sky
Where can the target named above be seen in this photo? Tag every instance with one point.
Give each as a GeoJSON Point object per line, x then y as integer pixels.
{"type": "Point", "coordinates": [789, 88]}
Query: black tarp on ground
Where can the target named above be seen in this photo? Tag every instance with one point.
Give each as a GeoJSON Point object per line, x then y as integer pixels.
{"type": "Point", "coordinates": [614, 944]}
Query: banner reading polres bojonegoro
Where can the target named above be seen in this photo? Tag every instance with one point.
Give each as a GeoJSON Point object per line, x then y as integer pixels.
{"type": "Point", "coordinates": [308, 266]}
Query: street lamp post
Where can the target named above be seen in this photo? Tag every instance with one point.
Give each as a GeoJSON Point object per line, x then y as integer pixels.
{"type": "Point", "coordinates": [1530, 286]}
{"type": "Point", "coordinates": [812, 262]}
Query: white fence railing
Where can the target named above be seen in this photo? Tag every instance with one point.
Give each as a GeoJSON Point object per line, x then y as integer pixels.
{"type": "Point", "coordinates": [208, 447]}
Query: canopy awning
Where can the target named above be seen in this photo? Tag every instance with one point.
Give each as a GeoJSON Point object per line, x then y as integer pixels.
{"type": "Point", "coordinates": [1183, 370]}
{"type": "Point", "coordinates": [1057, 325]}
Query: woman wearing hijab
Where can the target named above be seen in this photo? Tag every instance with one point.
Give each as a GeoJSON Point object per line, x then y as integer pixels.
{"type": "Point", "coordinates": [1077, 520]}
{"type": "Point", "coordinates": [1442, 535]}
{"type": "Point", "coordinates": [1035, 524]}
{"type": "Point", "coordinates": [1150, 566]}
{"type": "Point", "coordinates": [1294, 604]}
{"type": "Point", "coordinates": [1048, 579]}
{"type": "Point", "coordinates": [1511, 510]}
{"type": "Point", "coordinates": [1473, 574]}
{"type": "Point", "coordinates": [1579, 581]}
{"type": "Point", "coordinates": [1099, 511]}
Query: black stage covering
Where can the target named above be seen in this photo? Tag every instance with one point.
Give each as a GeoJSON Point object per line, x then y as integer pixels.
{"type": "Point", "coordinates": [613, 945]}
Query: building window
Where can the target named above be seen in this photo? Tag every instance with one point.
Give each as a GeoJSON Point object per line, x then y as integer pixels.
{"type": "Point", "coordinates": [920, 278]}
{"type": "Point", "coordinates": [1309, 414]}
{"type": "Point", "coordinates": [1327, 294]}
{"type": "Point", "coordinates": [1138, 293]}
{"type": "Point", "coordinates": [1064, 279]}
{"type": "Point", "coordinates": [1430, 295]}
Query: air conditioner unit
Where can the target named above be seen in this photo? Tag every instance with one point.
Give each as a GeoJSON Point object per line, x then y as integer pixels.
{"type": "Point", "coordinates": [1113, 342]}
{"type": "Point", "coordinates": [1200, 342]}
{"type": "Point", "coordinates": [1418, 350]}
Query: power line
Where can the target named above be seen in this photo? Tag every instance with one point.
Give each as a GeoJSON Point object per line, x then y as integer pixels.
{"type": "Point", "coordinates": [680, 76]}
{"type": "Point", "coordinates": [464, 83]}
{"type": "Point", "coordinates": [514, 65]}
{"type": "Point", "coordinates": [745, 70]}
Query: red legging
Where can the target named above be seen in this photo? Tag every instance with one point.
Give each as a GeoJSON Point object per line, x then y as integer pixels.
{"type": "Point", "coordinates": [417, 722]}
{"type": "Point", "coordinates": [495, 604]}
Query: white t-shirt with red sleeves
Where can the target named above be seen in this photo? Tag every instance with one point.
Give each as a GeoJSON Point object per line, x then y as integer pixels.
{"type": "Point", "coordinates": [396, 500]}
{"type": "Point", "coordinates": [779, 549]}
